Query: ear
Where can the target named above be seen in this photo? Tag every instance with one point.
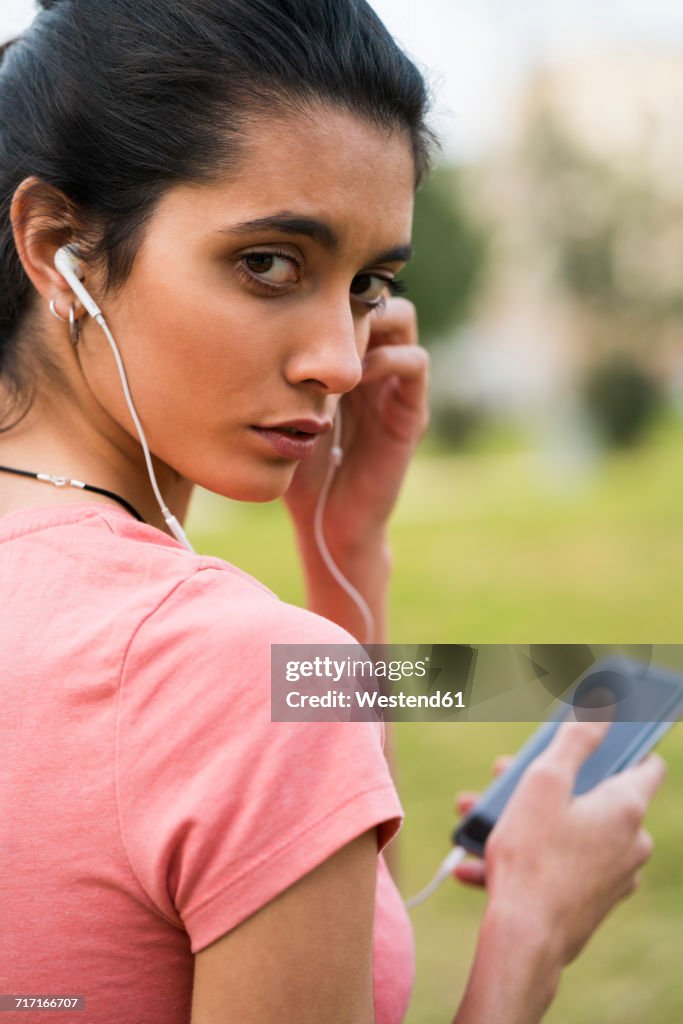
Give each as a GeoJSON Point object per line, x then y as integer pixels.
{"type": "Point", "coordinates": [43, 219]}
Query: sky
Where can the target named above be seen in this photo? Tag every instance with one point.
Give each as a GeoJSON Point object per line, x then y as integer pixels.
{"type": "Point", "coordinates": [476, 51]}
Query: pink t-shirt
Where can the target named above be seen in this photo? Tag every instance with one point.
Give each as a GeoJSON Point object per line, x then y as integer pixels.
{"type": "Point", "coordinates": [148, 804]}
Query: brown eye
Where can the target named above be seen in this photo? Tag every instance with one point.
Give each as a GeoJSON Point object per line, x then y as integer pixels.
{"type": "Point", "coordinates": [272, 268]}
{"type": "Point", "coordinates": [369, 287]}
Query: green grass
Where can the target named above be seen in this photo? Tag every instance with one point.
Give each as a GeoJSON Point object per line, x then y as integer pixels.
{"type": "Point", "coordinates": [489, 549]}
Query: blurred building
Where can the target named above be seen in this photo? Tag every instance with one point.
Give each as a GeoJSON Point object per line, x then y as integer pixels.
{"type": "Point", "coordinates": [584, 194]}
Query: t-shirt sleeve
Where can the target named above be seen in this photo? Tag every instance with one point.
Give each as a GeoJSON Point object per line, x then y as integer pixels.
{"type": "Point", "coordinates": [221, 809]}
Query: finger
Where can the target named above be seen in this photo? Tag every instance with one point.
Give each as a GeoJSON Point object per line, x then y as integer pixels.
{"type": "Point", "coordinates": [464, 802]}
{"type": "Point", "coordinates": [502, 763]}
{"type": "Point", "coordinates": [408, 365]}
{"type": "Point", "coordinates": [630, 885]}
{"type": "Point", "coordinates": [396, 324]}
{"type": "Point", "coordinates": [645, 847]}
{"type": "Point", "coordinates": [465, 794]}
{"type": "Point", "coordinates": [649, 775]}
{"type": "Point", "coordinates": [571, 745]}
{"type": "Point", "coordinates": [471, 872]}
{"type": "Point", "coordinates": [409, 362]}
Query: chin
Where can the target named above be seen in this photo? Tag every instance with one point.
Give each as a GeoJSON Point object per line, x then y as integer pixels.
{"type": "Point", "coordinates": [258, 487]}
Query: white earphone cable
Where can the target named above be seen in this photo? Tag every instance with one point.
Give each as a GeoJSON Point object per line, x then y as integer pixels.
{"type": "Point", "coordinates": [170, 519]}
{"type": "Point", "coordinates": [447, 867]}
{"type": "Point", "coordinates": [336, 456]}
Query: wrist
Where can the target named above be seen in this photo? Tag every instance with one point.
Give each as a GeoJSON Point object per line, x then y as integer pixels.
{"type": "Point", "coordinates": [366, 567]}
{"type": "Point", "coordinates": [354, 552]}
{"type": "Point", "coordinates": [516, 974]}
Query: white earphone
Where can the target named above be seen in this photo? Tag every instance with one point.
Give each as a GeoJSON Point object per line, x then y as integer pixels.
{"type": "Point", "coordinates": [68, 264]}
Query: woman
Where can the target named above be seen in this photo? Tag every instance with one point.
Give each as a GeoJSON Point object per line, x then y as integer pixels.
{"type": "Point", "coordinates": [236, 178]}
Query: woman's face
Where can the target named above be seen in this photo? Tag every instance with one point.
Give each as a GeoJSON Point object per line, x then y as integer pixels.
{"type": "Point", "coordinates": [251, 301]}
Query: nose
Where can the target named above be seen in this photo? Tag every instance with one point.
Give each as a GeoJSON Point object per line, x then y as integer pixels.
{"type": "Point", "coordinates": [328, 349]}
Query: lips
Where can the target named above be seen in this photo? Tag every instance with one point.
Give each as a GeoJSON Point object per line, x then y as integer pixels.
{"type": "Point", "coordinates": [301, 426]}
{"type": "Point", "coordinates": [299, 445]}
{"type": "Point", "coordinates": [294, 439]}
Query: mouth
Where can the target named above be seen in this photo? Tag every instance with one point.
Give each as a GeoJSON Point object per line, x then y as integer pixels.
{"type": "Point", "coordinates": [291, 431]}
{"type": "Point", "coordinates": [301, 428]}
{"type": "Point", "coordinates": [289, 442]}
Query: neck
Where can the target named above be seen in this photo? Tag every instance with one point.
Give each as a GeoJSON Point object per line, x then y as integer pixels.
{"type": "Point", "coordinates": [75, 439]}
{"type": "Point", "coordinates": [17, 492]}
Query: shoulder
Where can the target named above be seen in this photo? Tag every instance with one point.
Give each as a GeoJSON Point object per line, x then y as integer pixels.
{"type": "Point", "coordinates": [220, 605]}
{"type": "Point", "coordinates": [176, 594]}
{"type": "Point", "coordinates": [210, 639]}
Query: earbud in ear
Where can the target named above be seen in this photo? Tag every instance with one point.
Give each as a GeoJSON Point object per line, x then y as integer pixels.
{"type": "Point", "coordinates": [67, 258]}
{"type": "Point", "coordinates": [68, 265]}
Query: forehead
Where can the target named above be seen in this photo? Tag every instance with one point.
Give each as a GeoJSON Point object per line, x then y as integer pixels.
{"type": "Point", "coordinates": [327, 164]}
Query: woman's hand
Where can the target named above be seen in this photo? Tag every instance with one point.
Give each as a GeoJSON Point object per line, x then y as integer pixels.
{"type": "Point", "coordinates": [560, 862]}
{"type": "Point", "coordinates": [384, 419]}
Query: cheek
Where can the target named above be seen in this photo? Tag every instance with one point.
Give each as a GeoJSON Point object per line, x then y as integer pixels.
{"type": "Point", "coordinates": [203, 337]}
{"type": "Point", "coordinates": [363, 327]}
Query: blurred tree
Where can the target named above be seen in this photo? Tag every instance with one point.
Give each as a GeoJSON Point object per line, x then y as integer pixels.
{"type": "Point", "coordinates": [450, 254]}
{"type": "Point", "coordinates": [615, 239]}
{"type": "Point", "coordinates": [615, 235]}
{"type": "Point", "coordinates": [621, 400]}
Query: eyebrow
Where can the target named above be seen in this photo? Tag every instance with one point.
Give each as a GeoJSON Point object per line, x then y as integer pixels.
{"type": "Point", "coordinates": [318, 230]}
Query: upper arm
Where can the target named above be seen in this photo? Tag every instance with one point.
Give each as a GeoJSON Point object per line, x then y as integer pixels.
{"type": "Point", "coordinates": [305, 956]}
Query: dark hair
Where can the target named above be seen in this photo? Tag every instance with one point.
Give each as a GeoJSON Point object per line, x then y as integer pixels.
{"type": "Point", "coordinates": [112, 102]}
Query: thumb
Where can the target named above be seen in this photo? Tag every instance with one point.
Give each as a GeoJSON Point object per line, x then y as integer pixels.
{"type": "Point", "coordinates": [572, 744]}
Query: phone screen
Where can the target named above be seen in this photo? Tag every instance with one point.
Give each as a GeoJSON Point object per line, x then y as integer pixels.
{"type": "Point", "coordinates": [643, 702]}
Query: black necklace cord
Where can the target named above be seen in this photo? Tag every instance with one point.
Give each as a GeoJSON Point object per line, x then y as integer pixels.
{"type": "Point", "coordinates": [63, 481]}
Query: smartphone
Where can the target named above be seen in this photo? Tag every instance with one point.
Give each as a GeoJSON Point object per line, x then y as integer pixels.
{"type": "Point", "coordinates": [642, 701]}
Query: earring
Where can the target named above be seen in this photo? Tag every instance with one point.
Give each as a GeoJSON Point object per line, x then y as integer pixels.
{"type": "Point", "coordinates": [73, 325]}
{"type": "Point", "coordinates": [55, 313]}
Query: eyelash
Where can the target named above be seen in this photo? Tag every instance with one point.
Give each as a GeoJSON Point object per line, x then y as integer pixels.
{"type": "Point", "coordinates": [394, 286]}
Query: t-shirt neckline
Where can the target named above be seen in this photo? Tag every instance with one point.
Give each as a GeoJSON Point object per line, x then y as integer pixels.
{"type": "Point", "coordinates": [57, 508]}
{"type": "Point", "coordinates": [36, 517]}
